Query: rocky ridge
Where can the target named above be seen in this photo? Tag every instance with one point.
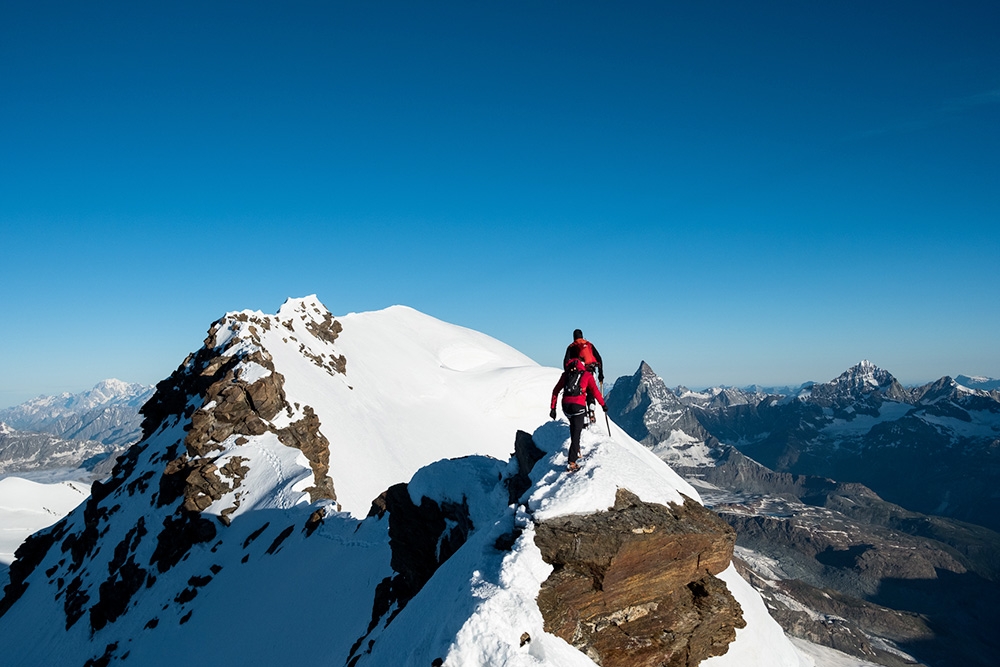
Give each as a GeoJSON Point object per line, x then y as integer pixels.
{"type": "Point", "coordinates": [219, 402]}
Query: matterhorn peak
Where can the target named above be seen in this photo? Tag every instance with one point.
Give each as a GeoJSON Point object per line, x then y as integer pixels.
{"type": "Point", "coordinates": [646, 372]}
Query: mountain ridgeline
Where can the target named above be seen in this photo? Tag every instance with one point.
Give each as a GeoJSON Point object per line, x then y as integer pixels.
{"type": "Point", "coordinates": [287, 503]}
{"type": "Point", "coordinates": [933, 449]}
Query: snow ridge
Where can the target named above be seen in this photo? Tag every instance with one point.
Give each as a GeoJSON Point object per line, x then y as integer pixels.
{"type": "Point", "coordinates": [214, 514]}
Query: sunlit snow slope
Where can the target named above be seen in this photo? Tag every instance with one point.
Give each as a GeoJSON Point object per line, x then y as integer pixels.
{"type": "Point", "coordinates": [27, 506]}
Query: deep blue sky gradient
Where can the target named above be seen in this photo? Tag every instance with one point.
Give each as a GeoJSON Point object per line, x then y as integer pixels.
{"type": "Point", "coordinates": [735, 192]}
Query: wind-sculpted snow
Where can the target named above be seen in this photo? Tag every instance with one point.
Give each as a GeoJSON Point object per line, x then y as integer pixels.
{"type": "Point", "coordinates": [238, 528]}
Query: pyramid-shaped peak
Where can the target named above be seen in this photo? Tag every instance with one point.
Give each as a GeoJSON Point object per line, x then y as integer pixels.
{"type": "Point", "coordinates": [645, 371]}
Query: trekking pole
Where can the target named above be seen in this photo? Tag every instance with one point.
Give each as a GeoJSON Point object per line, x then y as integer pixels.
{"type": "Point", "coordinates": [606, 421]}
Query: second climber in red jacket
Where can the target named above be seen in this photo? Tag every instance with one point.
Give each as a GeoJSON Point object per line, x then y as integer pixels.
{"type": "Point", "coordinates": [577, 385]}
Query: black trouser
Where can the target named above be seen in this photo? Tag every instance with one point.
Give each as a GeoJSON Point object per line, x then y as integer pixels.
{"type": "Point", "coordinates": [577, 416]}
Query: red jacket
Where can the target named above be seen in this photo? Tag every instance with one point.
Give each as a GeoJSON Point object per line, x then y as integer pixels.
{"type": "Point", "coordinates": [588, 385]}
{"type": "Point", "coordinates": [583, 349]}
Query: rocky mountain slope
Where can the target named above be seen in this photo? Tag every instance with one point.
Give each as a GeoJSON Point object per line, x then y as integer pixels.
{"type": "Point", "coordinates": [933, 449]}
{"type": "Point", "coordinates": [341, 491]}
{"type": "Point", "coordinates": [837, 564]}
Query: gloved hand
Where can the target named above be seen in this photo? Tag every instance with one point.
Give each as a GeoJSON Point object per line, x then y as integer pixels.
{"type": "Point", "coordinates": [600, 376]}
{"type": "Point", "coordinates": [605, 408]}
{"type": "Point", "coordinates": [552, 413]}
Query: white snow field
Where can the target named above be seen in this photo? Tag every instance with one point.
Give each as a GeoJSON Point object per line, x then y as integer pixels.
{"type": "Point", "coordinates": [26, 507]}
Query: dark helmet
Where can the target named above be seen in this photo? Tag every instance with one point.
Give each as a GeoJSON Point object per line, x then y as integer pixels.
{"type": "Point", "coordinates": [577, 334]}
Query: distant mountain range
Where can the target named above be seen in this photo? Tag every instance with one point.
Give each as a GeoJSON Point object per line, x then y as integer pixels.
{"type": "Point", "coordinates": [71, 435]}
{"type": "Point", "coordinates": [108, 413]}
{"type": "Point", "coordinates": [838, 564]}
{"type": "Point", "coordinates": [933, 449]}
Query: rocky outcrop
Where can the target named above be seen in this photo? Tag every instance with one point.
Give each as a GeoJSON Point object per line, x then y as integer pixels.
{"type": "Point", "coordinates": [634, 586]}
{"type": "Point", "coordinates": [305, 436]}
{"type": "Point", "coordinates": [232, 407]}
{"type": "Point", "coordinates": [526, 453]}
{"type": "Point", "coordinates": [421, 538]}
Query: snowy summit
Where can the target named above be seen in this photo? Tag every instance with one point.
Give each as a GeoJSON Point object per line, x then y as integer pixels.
{"type": "Point", "coordinates": [342, 491]}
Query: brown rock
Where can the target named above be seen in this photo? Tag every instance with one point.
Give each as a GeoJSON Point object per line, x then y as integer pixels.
{"type": "Point", "coordinates": [305, 436]}
{"type": "Point", "coordinates": [633, 586]}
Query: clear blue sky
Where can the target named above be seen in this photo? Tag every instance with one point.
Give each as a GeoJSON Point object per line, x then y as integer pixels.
{"type": "Point", "coordinates": [735, 192]}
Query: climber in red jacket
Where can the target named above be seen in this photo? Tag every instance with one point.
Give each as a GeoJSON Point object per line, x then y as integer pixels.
{"type": "Point", "coordinates": [584, 350]}
{"type": "Point", "coordinates": [578, 387]}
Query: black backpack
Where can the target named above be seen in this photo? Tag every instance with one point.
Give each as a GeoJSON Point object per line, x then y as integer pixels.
{"type": "Point", "coordinates": [574, 382]}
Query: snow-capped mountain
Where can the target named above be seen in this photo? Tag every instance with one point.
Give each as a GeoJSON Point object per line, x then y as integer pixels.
{"type": "Point", "coordinates": [933, 449]}
{"type": "Point", "coordinates": [978, 382]}
{"type": "Point", "coordinates": [801, 538]}
{"type": "Point", "coordinates": [650, 412]}
{"type": "Point", "coordinates": [341, 491]}
{"type": "Point", "coordinates": [776, 390]}
{"type": "Point", "coordinates": [718, 397]}
{"type": "Point", "coordinates": [108, 413]}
